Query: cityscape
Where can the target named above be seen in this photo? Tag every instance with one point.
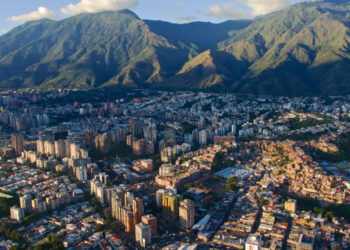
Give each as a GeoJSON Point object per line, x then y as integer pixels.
{"type": "Point", "coordinates": [175, 125]}
{"type": "Point", "coordinates": [154, 169]}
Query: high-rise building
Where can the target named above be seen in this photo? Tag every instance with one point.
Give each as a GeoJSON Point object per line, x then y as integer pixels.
{"type": "Point", "coordinates": [40, 146]}
{"type": "Point", "coordinates": [291, 205]}
{"type": "Point", "coordinates": [136, 128]}
{"type": "Point", "coordinates": [139, 147]}
{"type": "Point", "coordinates": [129, 222]}
{"type": "Point", "coordinates": [234, 128]}
{"type": "Point", "coordinates": [170, 205]}
{"type": "Point", "coordinates": [17, 213]}
{"type": "Point", "coordinates": [128, 199]}
{"type": "Point", "coordinates": [150, 133]}
{"type": "Point", "coordinates": [143, 234]}
{"type": "Point", "coordinates": [138, 209]}
{"type": "Point", "coordinates": [130, 140]}
{"type": "Point", "coordinates": [61, 148]}
{"type": "Point", "coordinates": [201, 123]}
{"type": "Point", "coordinates": [81, 173]}
{"type": "Point", "coordinates": [151, 220]}
{"type": "Point", "coordinates": [116, 205]}
{"type": "Point", "coordinates": [103, 143]}
{"type": "Point", "coordinates": [98, 189]}
{"type": "Point", "coordinates": [149, 147]}
{"type": "Point", "coordinates": [38, 205]}
{"type": "Point", "coordinates": [49, 148]}
{"type": "Point", "coordinates": [195, 135]}
{"type": "Point", "coordinates": [203, 137]}
{"type": "Point", "coordinates": [26, 203]}
{"type": "Point", "coordinates": [186, 214]}
{"type": "Point", "coordinates": [17, 143]}
{"type": "Point", "coordinates": [52, 202]}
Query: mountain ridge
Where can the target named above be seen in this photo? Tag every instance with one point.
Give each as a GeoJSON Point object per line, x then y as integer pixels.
{"type": "Point", "coordinates": [303, 50]}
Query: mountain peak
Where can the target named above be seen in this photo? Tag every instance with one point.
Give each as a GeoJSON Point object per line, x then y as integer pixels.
{"type": "Point", "coordinates": [304, 49]}
{"type": "Point", "coordinates": [114, 13]}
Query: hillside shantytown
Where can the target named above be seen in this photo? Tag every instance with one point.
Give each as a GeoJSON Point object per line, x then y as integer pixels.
{"type": "Point", "coordinates": [144, 169]}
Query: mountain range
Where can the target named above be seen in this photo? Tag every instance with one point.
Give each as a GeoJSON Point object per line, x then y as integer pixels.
{"type": "Point", "coordinates": [303, 50]}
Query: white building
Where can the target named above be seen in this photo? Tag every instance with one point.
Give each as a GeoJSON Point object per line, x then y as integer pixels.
{"type": "Point", "coordinates": [143, 234]}
{"type": "Point", "coordinates": [203, 137]}
{"type": "Point", "coordinates": [150, 133]}
{"type": "Point", "coordinates": [26, 203]}
{"type": "Point", "coordinates": [17, 213]}
{"type": "Point", "coordinates": [81, 173]}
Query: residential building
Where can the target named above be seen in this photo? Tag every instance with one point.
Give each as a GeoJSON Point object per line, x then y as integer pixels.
{"type": "Point", "coordinates": [26, 203]}
{"type": "Point", "coordinates": [170, 205]}
{"type": "Point", "coordinates": [186, 214]}
{"type": "Point", "coordinates": [138, 209]}
{"type": "Point", "coordinates": [17, 143]}
{"type": "Point", "coordinates": [17, 213]}
{"type": "Point", "coordinates": [143, 234]}
{"type": "Point", "coordinates": [150, 133]}
{"type": "Point", "coordinates": [151, 220]}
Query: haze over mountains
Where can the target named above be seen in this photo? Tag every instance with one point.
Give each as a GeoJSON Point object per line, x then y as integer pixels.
{"type": "Point", "coordinates": [303, 50]}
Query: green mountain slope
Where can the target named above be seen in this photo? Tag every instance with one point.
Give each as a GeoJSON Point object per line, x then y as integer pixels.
{"type": "Point", "coordinates": [201, 35]}
{"type": "Point", "coordinates": [210, 69]}
{"type": "Point", "coordinates": [303, 50]}
{"type": "Point", "coordinates": [85, 51]}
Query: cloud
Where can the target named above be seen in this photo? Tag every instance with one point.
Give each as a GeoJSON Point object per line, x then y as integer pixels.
{"type": "Point", "coordinates": [92, 6]}
{"type": "Point", "coordinates": [187, 19]}
{"type": "Point", "coordinates": [41, 13]}
{"type": "Point", "coordinates": [262, 7]}
{"type": "Point", "coordinates": [225, 11]}
{"type": "Point", "coordinates": [237, 9]}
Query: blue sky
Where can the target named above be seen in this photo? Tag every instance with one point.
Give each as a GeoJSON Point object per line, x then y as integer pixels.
{"type": "Point", "coordinates": [15, 12]}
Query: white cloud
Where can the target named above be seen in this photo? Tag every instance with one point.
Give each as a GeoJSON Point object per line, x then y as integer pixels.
{"type": "Point", "coordinates": [262, 7]}
{"type": "Point", "coordinates": [92, 6]}
{"type": "Point", "coordinates": [236, 9]}
{"type": "Point", "coordinates": [41, 13]}
{"type": "Point", "coordinates": [225, 11]}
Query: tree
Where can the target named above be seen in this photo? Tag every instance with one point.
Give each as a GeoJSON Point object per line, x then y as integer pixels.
{"type": "Point", "coordinates": [53, 242]}
{"type": "Point", "coordinates": [318, 210]}
{"type": "Point", "coordinates": [16, 236]}
{"type": "Point", "coordinates": [6, 204]}
{"type": "Point", "coordinates": [262, 202]}
{"type": "Point", "coordinates": [108, 214]}
{"type": "Point", "coordinates": [218, 162]}
{"type": "Point", "coordinates": [232, 184]}
{"type": "Point", "coordinates": [329, 215]}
